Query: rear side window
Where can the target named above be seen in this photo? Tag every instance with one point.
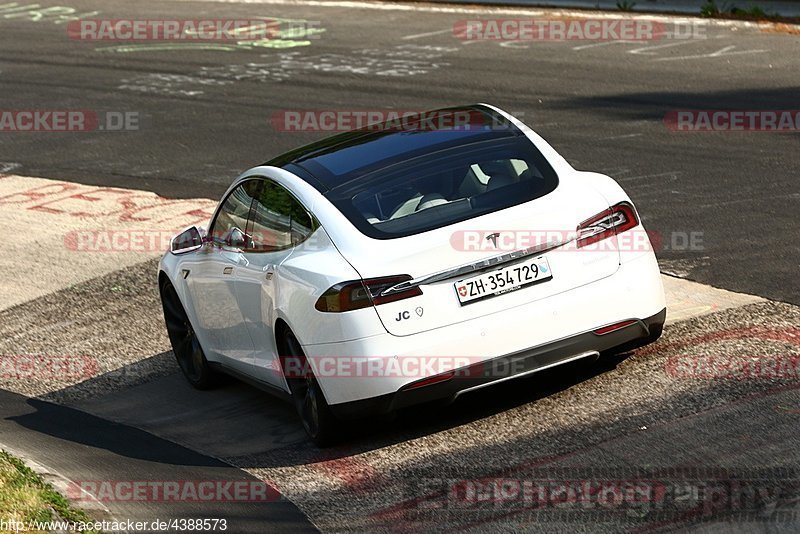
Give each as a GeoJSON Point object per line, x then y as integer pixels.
{"type": "Point", "coordinates": [445, 187]}
{"type": "Point", "coordinates": [278, 220]}
{"type": "Point", "coordinates": [234, 211]}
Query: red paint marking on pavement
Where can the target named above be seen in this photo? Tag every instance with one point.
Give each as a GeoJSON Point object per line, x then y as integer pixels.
{"type": "Point", "coordinates": [77, 201]}
{"type": "Point", "coordinates": [89, 197]}
{"type": "Point", "coordinates": [36, 193]}
{"type": "Point", "coordinates": [355, 473]}
{"type": "Point", "coordinates": [789, 335]}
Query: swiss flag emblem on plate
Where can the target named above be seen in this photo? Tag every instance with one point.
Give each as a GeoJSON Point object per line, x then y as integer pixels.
{"type": "Point", "coordinates": [462, 290]}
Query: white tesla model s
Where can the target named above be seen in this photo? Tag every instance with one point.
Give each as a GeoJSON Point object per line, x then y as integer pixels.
{"type": "Point", "coordinates": [405, 263]}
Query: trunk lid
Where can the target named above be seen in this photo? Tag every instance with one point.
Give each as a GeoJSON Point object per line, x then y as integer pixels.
{"type": "Point", "coordinates": [539, 223]}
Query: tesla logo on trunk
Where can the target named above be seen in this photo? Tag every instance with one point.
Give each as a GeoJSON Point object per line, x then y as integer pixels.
{"type": "Point", "coordinates": [493, 238]}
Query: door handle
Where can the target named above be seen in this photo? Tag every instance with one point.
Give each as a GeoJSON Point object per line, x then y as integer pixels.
{"type": "Point", "coordinates": [227, 270]}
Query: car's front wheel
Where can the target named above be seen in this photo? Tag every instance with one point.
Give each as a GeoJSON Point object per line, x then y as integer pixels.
{"type": "Point", "coordinates": [183, 339]}
{"type": "Point", "coordinates": [318, 420]}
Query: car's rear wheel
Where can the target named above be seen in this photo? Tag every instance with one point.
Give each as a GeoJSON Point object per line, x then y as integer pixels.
{"type": "Point", "coordinates": [183, 339]}
{"type": "Point", "coordinates": [318, 420]}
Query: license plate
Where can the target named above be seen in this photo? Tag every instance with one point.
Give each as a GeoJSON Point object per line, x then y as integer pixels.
{"type": "Point", "coordinates": [503, 280]}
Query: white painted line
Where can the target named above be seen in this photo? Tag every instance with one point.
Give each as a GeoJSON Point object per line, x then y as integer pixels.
{"type": "Point", "coordinates": [626, 136]}
{"type": "Point", "coordinates": [7, 166]}
{"type": "Point", "coordinates": [725, 51]}
{"type": "Point", "coordinates": [604, 43]}
{"type": "Point", "coordinates": [648, 50]}
{"type": "Point", "coordinates": [785, 196]}
{"type": "Point", "coordinates": [427, 34]}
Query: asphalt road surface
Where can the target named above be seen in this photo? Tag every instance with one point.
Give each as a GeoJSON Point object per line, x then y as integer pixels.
{"type": "Point", "coordinates": [206, 109]}
{"type": "Point", "coordinates": [702, 440]}
{"type": "Point", "coordinates": [85, 446]}
{"type": "Point", "coordinates": [713, 446]}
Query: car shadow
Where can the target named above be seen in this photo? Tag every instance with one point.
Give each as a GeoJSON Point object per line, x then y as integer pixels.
{"type": "Point", "coordinates": [249, 428]}
{"type": "Point", "coordinates": [653, 105]}
{"type": "Point", "coordinates": [431, 418]}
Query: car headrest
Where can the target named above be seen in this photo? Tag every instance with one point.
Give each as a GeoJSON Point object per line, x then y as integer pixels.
{"type": "Point", "coordinates": [498, 180]}
{"type": "Point", "coordinates": [430, 200]}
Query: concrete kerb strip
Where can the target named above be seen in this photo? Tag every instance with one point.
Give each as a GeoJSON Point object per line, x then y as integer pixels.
{"type": "Point", "coordinates": [533, 11]}
{"type": "Point", "coordinates": [58, 234]}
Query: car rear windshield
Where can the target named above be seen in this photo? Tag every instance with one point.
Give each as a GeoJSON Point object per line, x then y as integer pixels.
{"type": "Point", "coordinates": [445, 187]}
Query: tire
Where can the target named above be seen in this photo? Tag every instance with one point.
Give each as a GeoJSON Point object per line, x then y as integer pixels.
{"type": "Point", "coordinates": [319, 422]}
{"type": "Point", "coordinates": [183, 339]}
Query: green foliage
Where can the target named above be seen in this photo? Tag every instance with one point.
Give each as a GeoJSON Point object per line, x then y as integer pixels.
{"type": "Point", "coordinates": [22, 488]}
{"type": "Point", "coordinates": [711, 9]}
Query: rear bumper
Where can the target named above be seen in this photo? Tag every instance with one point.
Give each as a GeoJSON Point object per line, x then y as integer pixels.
{"type": "Point", "coordinates": [511, 366]}
{"type": "Point", "coordinates": [559, 322]}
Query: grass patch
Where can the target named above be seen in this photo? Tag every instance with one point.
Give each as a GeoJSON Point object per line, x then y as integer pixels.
{"type": "Point", "coordinates": [728, 10]}
{"type": "Point", "coordinates": [26, 497]}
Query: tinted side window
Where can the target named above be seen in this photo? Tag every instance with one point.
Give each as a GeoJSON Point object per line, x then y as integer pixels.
{"type": "Point", "coordinates": [234, 211]}
{"type": "Point", "coordinates": [278, 221]}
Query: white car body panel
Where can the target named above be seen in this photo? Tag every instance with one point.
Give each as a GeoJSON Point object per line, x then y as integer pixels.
{"type": "Point", "coordinates": [235, 316]}
{"type": "Point", "coordinates": [635, 291]}
{"type": "Point", "coordinates": [556, 213]}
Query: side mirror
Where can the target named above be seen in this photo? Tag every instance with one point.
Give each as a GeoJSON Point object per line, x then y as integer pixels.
{"type": "Point", "coordinates": [238, 239]}
{"type": "Point", "coordinates": [187, 241]}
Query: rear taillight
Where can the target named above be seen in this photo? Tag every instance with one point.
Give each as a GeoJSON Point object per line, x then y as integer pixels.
{"type": "Point", "coordinates": [444, 377]}
{"type": "Point", "coordinates": [358, 294]}
{"type": "Point", "coordinates": [615, 220]}
{"type": "Point", "coordinates": [614, 327]}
